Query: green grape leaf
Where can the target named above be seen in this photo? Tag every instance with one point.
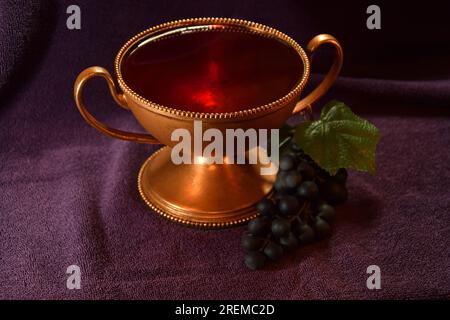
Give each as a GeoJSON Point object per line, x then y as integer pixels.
{"type": "Point", "coordinates": [339, 139]}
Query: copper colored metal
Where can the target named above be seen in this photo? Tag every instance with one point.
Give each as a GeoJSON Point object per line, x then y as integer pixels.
{"type": "Point", "coordinates": [199, 194]}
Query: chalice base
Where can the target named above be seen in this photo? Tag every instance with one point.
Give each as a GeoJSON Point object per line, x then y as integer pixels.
{"type": "Point", "coordinates": [201, 195]}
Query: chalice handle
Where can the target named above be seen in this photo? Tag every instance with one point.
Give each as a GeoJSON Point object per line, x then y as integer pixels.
{"type": "Point", "coordinates": [118, 97]}
{"type": "Point", "coordinates": [330, 77]}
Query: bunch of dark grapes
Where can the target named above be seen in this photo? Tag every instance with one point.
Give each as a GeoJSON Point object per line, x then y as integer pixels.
{"type": "Point", "coordinates": [299, 212]}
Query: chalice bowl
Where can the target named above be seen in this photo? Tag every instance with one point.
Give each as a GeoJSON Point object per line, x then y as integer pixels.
{"type": "Point", "coordinates": [226, 73]}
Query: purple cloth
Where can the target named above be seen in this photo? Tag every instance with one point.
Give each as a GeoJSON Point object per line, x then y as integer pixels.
{"type": "Point", "coordinates": [23, 27]}
{"type": "Point", "coordinates": [68, 194]}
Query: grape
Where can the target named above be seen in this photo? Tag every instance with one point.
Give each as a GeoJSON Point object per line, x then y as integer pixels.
{"type": "Point", "coordinates": [280, 227]}
{"type": "Point", "coordinates": [341, 176]}
{"type": "Point", "coordinates": [279, 183]}
{"type": "Point", "coordinates": [316, 203]}
{"type": "Point", "coordinates": [289, 241]}
{"type": "Point", "coordinates": [288, 205]}
{"type": "Point", "coordinates": [273, 251]}
{"type": "Point", "coordinates": [302, 188]}
{"type": "Point", "coordinates": [333, 192]}
{"type": "Point", "coordinates": [296, 223]}
{"type": "Point", "coordinates": [323, 173]}
{"type": "Point", "coordinates": [266, 207]}
{"type": "Point", "coordinates": [287, 162]}
{"type": "Point", "coordinates": [326, 212]}
{"type": "Point", "coordinates": [322, 228]}
{"type": "Point", "coordinates": [306, 170]}
{"type": "Point", "coordinates": [251, 243]}
{"type": "Point", "coordinates": [308, 190]}
{"type": "Point", "coordinates": [293, 155]}
{"type": "Point", "coordinates": [292, 179]}
{"type": "Point", "coordinates": [305, 233]}
{"type": "Point", "coordinates": [295, 147]}
{"type": "Point", "coordinates": [259, 226]}
{"type": "Point", "coordinates": [255, 260]}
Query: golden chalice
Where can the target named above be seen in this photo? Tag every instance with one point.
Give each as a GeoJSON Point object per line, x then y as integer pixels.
{"type": "Point", "coordinates": [227, 73]}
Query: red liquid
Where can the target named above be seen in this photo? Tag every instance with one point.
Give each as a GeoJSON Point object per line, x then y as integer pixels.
{"type": "Point", "coordinates": [216, 71]}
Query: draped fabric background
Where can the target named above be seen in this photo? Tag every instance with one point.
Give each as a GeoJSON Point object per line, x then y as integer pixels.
{"type": "Point", "coordinates": [68, 194]}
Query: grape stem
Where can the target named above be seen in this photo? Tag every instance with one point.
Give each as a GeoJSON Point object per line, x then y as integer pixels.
{"type": "Point", "coordinates": [266, 242]}
{"type": "Point", "coordinates": [320, 179]}
{"type": "Point", "coordinates": [303, 210]}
